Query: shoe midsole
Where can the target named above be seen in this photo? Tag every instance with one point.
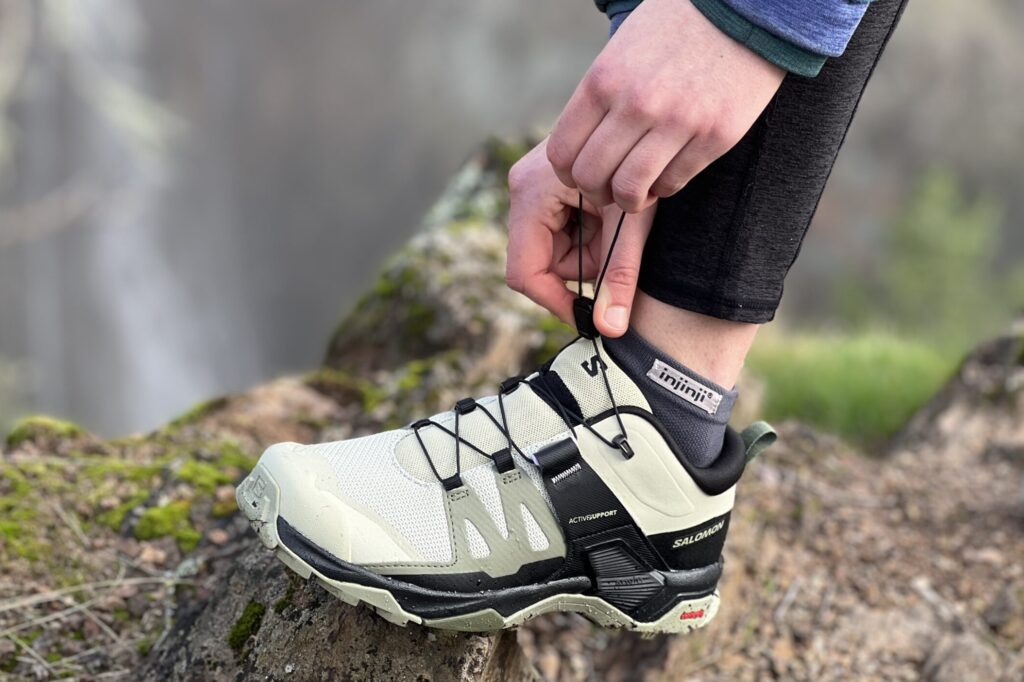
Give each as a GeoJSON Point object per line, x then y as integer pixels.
{"type": "Point", "coordinates": [430, 603]}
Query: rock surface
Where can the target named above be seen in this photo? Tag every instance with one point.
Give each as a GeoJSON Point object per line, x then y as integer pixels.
{"type": "Point", "coordinates": [126, 559]}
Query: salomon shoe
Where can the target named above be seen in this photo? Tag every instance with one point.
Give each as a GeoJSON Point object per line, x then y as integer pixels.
{"type": "Point", "coordinates": [561, 493]}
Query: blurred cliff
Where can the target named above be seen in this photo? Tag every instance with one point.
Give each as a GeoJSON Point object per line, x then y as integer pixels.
{"type": "Point", "coordinates": [191, 193]}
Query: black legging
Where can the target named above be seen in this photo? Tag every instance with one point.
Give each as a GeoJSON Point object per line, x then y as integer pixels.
{"type": "Point", "coordinates": [723, 245]}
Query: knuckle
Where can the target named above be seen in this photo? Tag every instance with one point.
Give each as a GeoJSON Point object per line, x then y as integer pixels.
{"type": "Point", "coordinates": [627, 192]}
{"type": "Point", "coordinates": [720, 136]}
{"type": "Point", "coordinates": [558, 155]}
{"type": "Point", "coordinates": [641, 105]}
{"type": "Point", "coordinates": [666, 188]}
{"type": "Point", "coordinates": [516, 177]}
{"type": "Point", "coordinates": [599, 84]}
{"type": "Point", "coordinates": [586, 180]}
{"type": "Point", "coordinates": [515, 281]}
{"type": "Point", "coordinates": [679, 118]}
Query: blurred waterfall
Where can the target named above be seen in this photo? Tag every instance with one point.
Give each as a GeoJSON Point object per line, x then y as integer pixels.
{"type": "Point", "coordinates": [196, 191]}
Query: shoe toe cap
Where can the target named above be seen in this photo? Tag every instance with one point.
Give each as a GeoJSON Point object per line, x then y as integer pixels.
{"type": "Point", "coordinates": [312, 502]}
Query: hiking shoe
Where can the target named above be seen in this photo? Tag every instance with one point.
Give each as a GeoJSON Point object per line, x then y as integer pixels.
{"type": "Point", "coordinates": [561, 493]}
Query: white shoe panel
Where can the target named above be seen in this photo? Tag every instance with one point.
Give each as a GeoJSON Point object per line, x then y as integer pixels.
{"type": "Point", "coordinates": [653, 485]}
{"type": "Point", "coordinates": [368, 473]}
{"type": "Point", "coordinates": [578, 369]}
{"type": "Point", "coordinates": [310, 503]}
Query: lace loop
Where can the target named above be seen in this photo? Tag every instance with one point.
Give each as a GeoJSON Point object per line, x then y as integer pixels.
{"type": "Point", "coordinates": [583, 309]}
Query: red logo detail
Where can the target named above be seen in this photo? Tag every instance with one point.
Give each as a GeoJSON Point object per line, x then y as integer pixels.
{"type": "Point", "coordinates": [690, 615]}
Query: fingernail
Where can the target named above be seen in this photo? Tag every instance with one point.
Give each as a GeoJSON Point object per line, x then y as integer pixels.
{"type": "Point", "coordinates": [616, 317]}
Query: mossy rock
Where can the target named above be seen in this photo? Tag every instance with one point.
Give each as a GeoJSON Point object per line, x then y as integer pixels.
{"type": "Point", "coordinates": [170, 520]}
{"type": "Point", "coordinates": [42, 428]}
{"type": "Point", "coordinates": [197, 413]}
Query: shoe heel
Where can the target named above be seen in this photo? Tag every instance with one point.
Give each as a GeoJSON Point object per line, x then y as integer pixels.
{"type": "Point", "coordinates": [686, 616]}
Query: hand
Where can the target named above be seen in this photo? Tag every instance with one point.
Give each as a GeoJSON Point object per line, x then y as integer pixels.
{"type": "Point", "coordinates": [543, 254]}
{"type": "Point", "coordinates": [668, 95]}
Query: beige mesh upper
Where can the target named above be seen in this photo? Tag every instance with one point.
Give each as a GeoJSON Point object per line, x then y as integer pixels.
{"type": "Point", "coordinates": [389, 474]}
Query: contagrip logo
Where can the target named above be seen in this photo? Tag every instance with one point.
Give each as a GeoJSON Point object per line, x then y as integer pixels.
{"type": "Point", "coordinates": [698, 536]}
{"type": "Point", "coordinates": [593, 517]}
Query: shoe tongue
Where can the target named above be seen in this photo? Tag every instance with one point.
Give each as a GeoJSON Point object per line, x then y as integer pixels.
{"type": "Point", "coordinates": [578, 368]}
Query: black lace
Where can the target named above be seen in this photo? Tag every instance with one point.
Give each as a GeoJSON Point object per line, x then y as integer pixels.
{"type": "Point", "coordinates": [584, 310]}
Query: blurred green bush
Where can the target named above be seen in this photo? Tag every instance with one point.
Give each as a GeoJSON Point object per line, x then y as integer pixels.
{"type": "Point", "coordinates": [861, 387]}
{"type": "Point", "coordinates": [938, 275]}
{"type": "Point", "coordinates": [937, 287]}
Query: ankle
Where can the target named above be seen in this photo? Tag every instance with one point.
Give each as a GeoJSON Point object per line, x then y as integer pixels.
{"type": "Point", "coordinates": [712, 347]}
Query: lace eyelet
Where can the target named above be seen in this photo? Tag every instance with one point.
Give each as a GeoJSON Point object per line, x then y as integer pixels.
{"type": "Point", "coordinates": [622, 444]}
{"type": "Point", "coordinates": [465, 406]}
{"type": "Point", "coordinates": [452, 483]}
{"type": "Point", "coordinates": [509, 385]}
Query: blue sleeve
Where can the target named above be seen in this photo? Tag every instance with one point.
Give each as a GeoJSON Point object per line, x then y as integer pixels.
{"type": "Point", "coordinates": [798, 35]}
{"type": "Point", "coordinates": [820, 26]}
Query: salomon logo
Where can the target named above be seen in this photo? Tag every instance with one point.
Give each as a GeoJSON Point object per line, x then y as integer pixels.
{"type": "Point", "coordinates": [574, 469]}
{"type": "Point", "coordinates": [593, 517]}
{"type": "Point", "coordinates": [683, 386]}
{"type": "Point", "coordinates": [593, 365]}
{"type": "Point", "coordinates": [698, 536]}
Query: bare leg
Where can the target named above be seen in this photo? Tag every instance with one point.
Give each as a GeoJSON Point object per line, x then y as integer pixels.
{"type": "Point", "coordinates": [712, 347]}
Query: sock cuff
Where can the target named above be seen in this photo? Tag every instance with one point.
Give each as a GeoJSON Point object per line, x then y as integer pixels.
{"type": "Point", "coordinates": [649, 365]}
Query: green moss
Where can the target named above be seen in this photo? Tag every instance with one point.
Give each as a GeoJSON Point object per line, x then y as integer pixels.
{"type": "Point", "coordinates": [247, 625]}
{"type": "Point", "coordinates": [107, 468]}
{"type": "Point", "coordinates": [197, 412]}
{"type": "Point", "coordinates": [419, 319]}
{"type": "Point", "coordinates": [861, 387]}
{"type": "Point", "coordinates": [224, 508]}
{"type": "Point", "coordinates": [505, 154]}
{"type": "Point", "coordinates": [18, 514]}
{"type": "Point", "coordinates": [281, 604]}
{"type": "Point", "coordinates": [345, 388]}
{"type": "Point", "coordinates": [169, 520]}
{"type": "Point", "coordinates": [556, 335]}
{"type": "Point", "coordinates": [204, 476]}
{"type": "Point", "coordinates": [114, 518]}
{"type": "Point", "coordinates": [231, 456]}
{"type": "Point", "coordinates": [144, 646]}
{"type": "Point", "coordinates": [32, 428]}
{"type": "Point", "coordinates": [14, 482]}
{"type": "Point", "coordinates": [413, 374]}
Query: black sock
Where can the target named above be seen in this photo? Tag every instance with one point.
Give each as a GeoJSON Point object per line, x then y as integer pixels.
{"type": "Point", "coordinates": [694, 410]}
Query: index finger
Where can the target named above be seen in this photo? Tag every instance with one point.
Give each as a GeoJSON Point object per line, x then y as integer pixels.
{"type": "Point", "coordinates": [577, 122]}
{"type": "Point", "coordinates": [528, 270]}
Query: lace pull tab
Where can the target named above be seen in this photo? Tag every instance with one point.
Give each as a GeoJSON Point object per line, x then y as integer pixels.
{"type": "Point", "coordinates": [622, 444]}
{"type": "Point", "coordinates": [583, 312]}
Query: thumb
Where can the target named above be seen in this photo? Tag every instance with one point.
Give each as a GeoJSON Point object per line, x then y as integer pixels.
{"type": "Point", "coordinates": [615, 298]}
